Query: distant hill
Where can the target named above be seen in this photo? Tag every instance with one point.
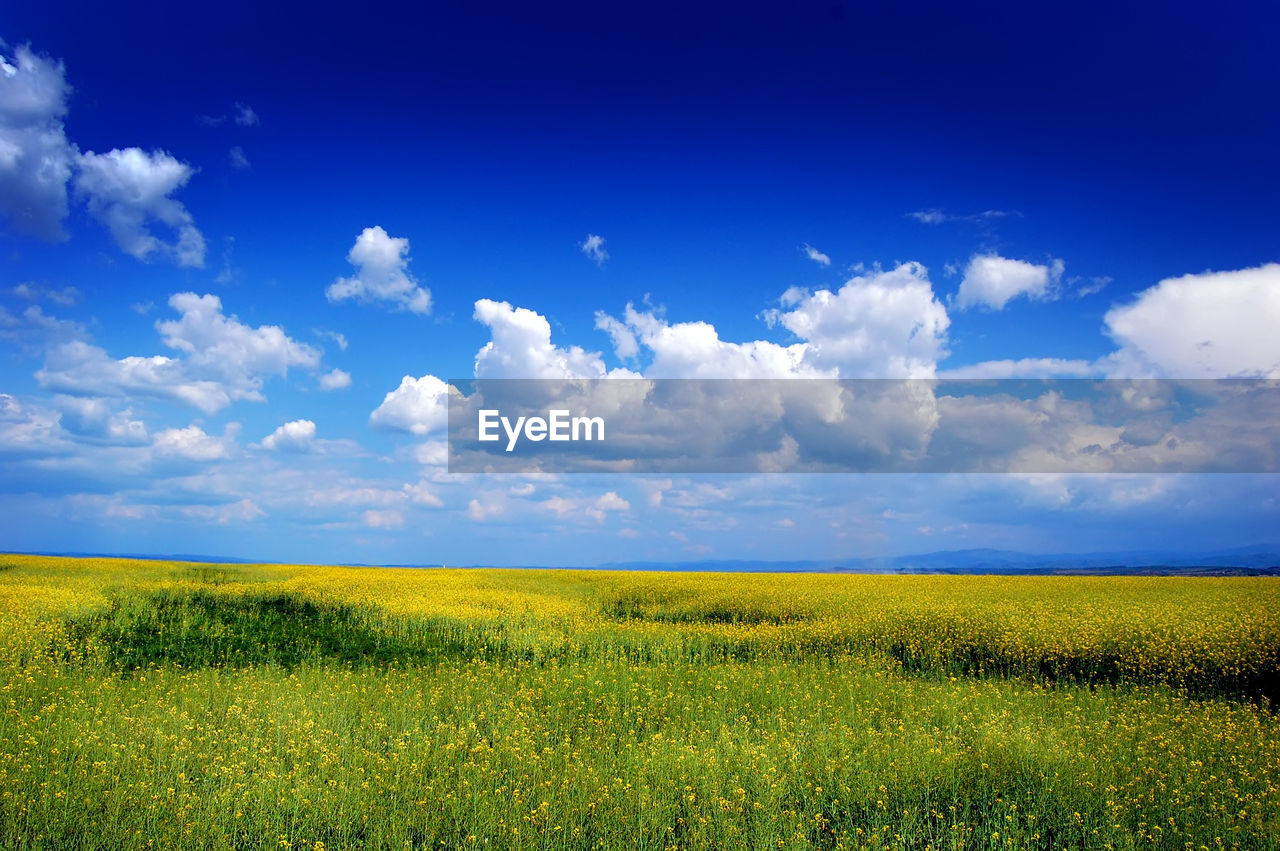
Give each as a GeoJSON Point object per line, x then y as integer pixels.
{"type": "Point", "coordinates": [1259, 559]}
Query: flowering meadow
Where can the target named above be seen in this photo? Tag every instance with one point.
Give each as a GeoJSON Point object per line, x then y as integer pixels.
{"type": "Point", "coordinates": [174, 705]}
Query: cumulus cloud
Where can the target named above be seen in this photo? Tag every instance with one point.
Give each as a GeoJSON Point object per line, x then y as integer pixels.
{"type": "Point", "coordinates": [419, 406]}
{"type": "Point", "coordinates": [521, 347]}
{"type": "Point", "coordinates": [95, 420]}
{"type": "Point", "coordinates": [223, 360]}
{"type": "Point", "coordinates": [79, 368]}
{"type": "Point", "coordinates": [597, 509]}
{"type": "Point", "coordinates": [815, 255]}
{"type": "Point", "coordinates": [190, 443]}
{"type": "Point", "coordinates": [237, 157]}
{"type": "Point", "coordinates": [593, 248]}
{"type": "Point", "coordinates": [28, 430]}
{"type": "Point", "coordinates": [295, 436]}
{"type": "Point", "coordinates": [624, 341]}
{"type": "Point", "coordinates": [992, 281]}
{"type": "Point", "coordinates": [695, 350]}
{"type": "Point", "coordinates": [335, 379]}
{"type": "Point", "coordinates": [422, 494]}
{"type": "Point", "coordinates": [223, 346]}
{"type": "Point", "coordinates": [36, 159]}
{"type": "Point", "coordinates": [884, 324]}
{"type": "Point", "coordinates": [1210, 325]}
{"type": "Point", "coordinates": [481, 511]}
{"type": "Point", "coordinates": [382, 274]}
{"type": "Point", "coordinates": [126, 189]}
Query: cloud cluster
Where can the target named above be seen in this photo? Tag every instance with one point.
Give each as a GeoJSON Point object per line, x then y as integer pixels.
{"type": "Point", "coordinates": [125, 189]}
{"type": "Point", "coordinates": [1207, 325]}
{"type": "Point", "coordinates": [223, 360]}
{"type": "Point", "coordinates": [521, 347]}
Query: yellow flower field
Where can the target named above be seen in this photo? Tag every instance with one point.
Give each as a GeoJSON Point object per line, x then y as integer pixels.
{"type": "Point", "coordinates": [155, 704]}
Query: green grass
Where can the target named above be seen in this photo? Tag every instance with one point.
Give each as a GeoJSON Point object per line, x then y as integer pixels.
{"type": "Point", "coordinates": [194, 629]}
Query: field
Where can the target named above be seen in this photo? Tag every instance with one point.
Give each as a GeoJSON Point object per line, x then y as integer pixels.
{"type": "Point", "coordinates": [156, 704]}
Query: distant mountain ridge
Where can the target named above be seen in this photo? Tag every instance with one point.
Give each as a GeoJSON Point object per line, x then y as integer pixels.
{"type": "Point", "coordinates": [1257, 559]}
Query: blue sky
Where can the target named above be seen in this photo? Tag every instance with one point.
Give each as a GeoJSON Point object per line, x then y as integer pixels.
{"type": "Point", "coordinates": [1010, 191]}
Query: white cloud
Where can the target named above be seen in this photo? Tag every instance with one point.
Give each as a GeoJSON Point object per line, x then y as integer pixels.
{"type": "Point", "coordinates": [223, 360]}
{"type": "Point", "coordinates": [432, 453]}
{"type": "Point", "coordinates": [929, 217]}
{"type": "Point", "coordinates": [418, 406]}
{"type": "Point", "coordinates": [422, 494]}
{"type": "Point", "coordinates": [28, 430]}
{"type": "Point", "coordinates": [240, 511]}
{"type": "Point", "coordinates": [237, 157]}
{"type": "Point", "coordinates": [225, 347]}
{"type": "Point", "coordinates": [382, 274]}
{"type": "Point", "coordinates": [67, 296]}
{"type": "Point", "coordinates": [597, 509]}
{"type": "Point", "coordinates": [245, 116]}
{"type": "Point", "coordinates": [1210, 325]}
{"type": "Point", "coordinates": [190, 443]}
{"type": "Point", "coordinates": [593, 247]}
{"type": "Point", "coordinates": [81, 369]}
{"type": "Point", "coordinates": [815, 255]}
{"type": "Point", "coordinates": [353, 493]}
{"type": "Point", "coordinates": [521, 347]}
{"type": "Point", "coordinates": [992, 281]}
{"type": "Point", "coordinates": [624, 342]}
{"type": "Point", "coordinates": [94, 419]}
{"type": "Point", "coordinates": [295, 436]}
{"type": "Point", "coordinates": [126, 189]}
{"type": "Point", "coordinates": [383, 519]}
{"type": "Point", "coordinates": [36, 160]}
{"type": "Point", "coordinates": [335, 379]}
{"type": "Point", "coordinates": [1025, 368]}
{"type": "Point", "coordinates": [612, 502]}
{"type": "Point", "coordinates": [935, 216]}
{"type": "Point", "coordinates": [480, 511]}
{"type": "Point", "coordinates": [885, 324]}
{"type": "Point", "coordinates": [695, 350]}
{"type": "Point", "coordinates": [34, 329]}
{"type": "Point", "coordinates": [339, 338]}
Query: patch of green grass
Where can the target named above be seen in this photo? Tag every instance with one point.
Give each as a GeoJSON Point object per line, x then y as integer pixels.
{"type": "Point", "coordinates": [196, 629]}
